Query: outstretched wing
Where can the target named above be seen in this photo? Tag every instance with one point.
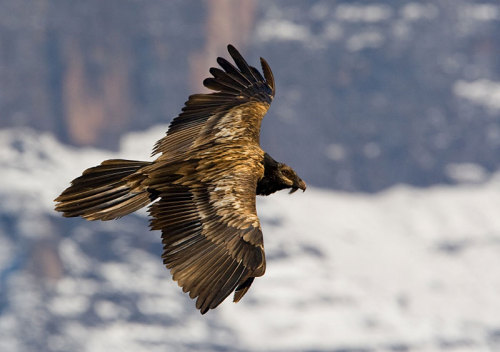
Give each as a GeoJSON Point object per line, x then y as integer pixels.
{"type": "Point", "coordinates": [211, 234]}
{"type": "Point", "coordinates": [207, 177]}
{"type": "Point", "coordinates": [234, 111]}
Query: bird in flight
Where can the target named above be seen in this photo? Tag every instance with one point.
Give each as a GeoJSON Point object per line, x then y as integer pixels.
{"type": "Point", "coordinates": [201, 189]}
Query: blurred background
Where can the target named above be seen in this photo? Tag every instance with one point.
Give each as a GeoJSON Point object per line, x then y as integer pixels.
{"type": "Point", "coordinates": [389, 110]}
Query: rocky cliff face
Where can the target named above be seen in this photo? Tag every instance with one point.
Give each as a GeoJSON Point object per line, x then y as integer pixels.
{"type": "Point", "coordinates": [368, 95]}
{"type": "Point", "coordinates": [89, 72]}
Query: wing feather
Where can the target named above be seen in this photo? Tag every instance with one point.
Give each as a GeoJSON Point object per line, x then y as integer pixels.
{"type": "Point", "coordinates": [240, 87]}
{"type": "Point", "coordinates": [241, 63]}
{"type": "Point", "coordinates": [208, 273]}
{"type": "Point", "coordinates": [206, 179]}
{"type": "Point", "coordinates": [233, 72]}
{"type": "Point", "coordinates": [230, 285]}
{"type": "Point", "coordinates": [220, 85]}
{"type": "Point", "coordinates": [226, 78]}
{"type": "Point", "coordinates": [206, 253]}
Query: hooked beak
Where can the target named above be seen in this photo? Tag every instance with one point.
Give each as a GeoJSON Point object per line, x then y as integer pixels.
{"type": "Point", "coordinates": [301, 184]}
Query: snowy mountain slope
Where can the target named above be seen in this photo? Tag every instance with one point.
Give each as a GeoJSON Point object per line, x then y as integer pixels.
{"type": "Point", "coordinates": [403, 270]}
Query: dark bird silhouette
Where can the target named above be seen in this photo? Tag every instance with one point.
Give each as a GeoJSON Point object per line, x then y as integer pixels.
{"type": "Point", "coordinates": [202, 186]}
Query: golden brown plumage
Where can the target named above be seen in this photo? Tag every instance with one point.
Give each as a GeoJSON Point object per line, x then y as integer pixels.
{"type": "Point", "coordinates": [207, 175]}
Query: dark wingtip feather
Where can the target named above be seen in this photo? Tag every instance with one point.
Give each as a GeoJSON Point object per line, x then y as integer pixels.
{"type": "Point", "coordinates": [268, 74]}
{"type": "Point", "coordinates": [218, 85]}
{"type": "Point", "coordinates": [233, 51]}
{"type": "Point", "coordinates": [249, 72]}
{"type": "Point", "coordinates": [241, 79]}
{"type": "Point", "coordinates": [241, 63]}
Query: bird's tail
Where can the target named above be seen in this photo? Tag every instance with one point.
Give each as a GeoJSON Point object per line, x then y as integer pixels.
{"type": "Point", "coordinates": [108, 191]}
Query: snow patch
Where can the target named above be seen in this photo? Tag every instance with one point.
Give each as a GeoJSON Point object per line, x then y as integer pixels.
{"type": "Point", "coordinates": [69, 305]}
{"type": "Point", "coordinates": [415, 11]}
{"type": "Point", "coordinates": [481, 12]}
{"type": "Point", "coordinates": [363, 13]}
{"type": "Point", "coordinates": [483, 92]}
{"type": "Point", "coordinates": [466, 172]}
{"type": "Point", "coordinates": [365, 40]}
{"type": "Point", "coordinates": [282, 30]}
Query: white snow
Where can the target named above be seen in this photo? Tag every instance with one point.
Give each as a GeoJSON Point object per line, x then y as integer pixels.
{"type": "Point", "coordinates": [363, 40]}
{"type": "Point", "coordinates": [408, 267]}
{"type": "Point", "coordinates": [69, 305]}
{"type": "Point", "coordinates": [481, 12]}
{"type": "Point", "coordinates": [279, 29]}
{"type": "Point", "coordinates": [482, 92]}
{"type": "Point", "coordinates": [363, 13]}
{"type": "Point", "coordinates": [466, 172]}
{"type": "Point", "coordinates": [385, 257]}
{"type": "Point", "coordinates": [414, 11]}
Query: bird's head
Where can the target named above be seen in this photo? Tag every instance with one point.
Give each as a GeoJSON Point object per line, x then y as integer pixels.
{"type": "Point", "coordinates": [290, 178]}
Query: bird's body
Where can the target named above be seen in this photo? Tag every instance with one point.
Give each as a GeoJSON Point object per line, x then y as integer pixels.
{"type": "Point", "coordinates": [202, 186]}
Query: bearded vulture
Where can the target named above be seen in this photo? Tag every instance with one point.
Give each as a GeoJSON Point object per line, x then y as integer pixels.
{"type": "Point", "coordinates": [201, 188]}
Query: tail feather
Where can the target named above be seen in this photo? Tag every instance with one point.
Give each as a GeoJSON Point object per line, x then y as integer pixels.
{"type": "Point", "coordinates": [107, 191]}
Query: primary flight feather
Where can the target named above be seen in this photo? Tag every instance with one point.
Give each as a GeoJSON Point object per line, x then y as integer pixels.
{"type": "Point", "coordinates": [202, 186]}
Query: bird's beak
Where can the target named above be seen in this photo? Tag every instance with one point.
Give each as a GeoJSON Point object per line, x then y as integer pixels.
{"type": "Point", "coordinates": [301, 184]}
